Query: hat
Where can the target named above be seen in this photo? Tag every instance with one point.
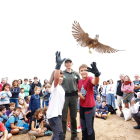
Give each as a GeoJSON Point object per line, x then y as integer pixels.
{"type": "Point", "coordinates": [68, 59]}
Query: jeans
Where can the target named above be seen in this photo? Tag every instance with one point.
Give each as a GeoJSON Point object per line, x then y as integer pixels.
{"type": "Point", "coordinates": [111, 100]}
{"type": "Point", "coordinates": [56, 126]}
{"type": "Point", "coordinates": [15, 100]}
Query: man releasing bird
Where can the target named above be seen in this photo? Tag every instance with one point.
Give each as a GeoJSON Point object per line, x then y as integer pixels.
{"type": "Point", "coordinates": [84, 40]}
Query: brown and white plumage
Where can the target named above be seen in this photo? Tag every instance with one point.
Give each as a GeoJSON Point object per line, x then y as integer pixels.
{"type": "Point", "coordinates": [84, 40]}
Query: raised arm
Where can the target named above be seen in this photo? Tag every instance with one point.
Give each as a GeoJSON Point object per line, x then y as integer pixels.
{"type": "Point", "coordinates": [57, 68]}
{"type": "Point", "coordinates": [95, 71]}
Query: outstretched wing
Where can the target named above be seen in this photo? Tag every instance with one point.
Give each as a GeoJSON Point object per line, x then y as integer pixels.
{"type": "Point", "coordinates": [81, 37]}
{"type": "Point", "coordinates": [101, 48]}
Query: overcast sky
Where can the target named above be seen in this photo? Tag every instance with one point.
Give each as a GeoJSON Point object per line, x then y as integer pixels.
{"type": "Point", "coordinates": [32, 31]}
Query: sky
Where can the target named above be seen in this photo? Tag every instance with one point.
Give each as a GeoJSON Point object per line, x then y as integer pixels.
{"type": "Point", "coordinates": [32, 31]}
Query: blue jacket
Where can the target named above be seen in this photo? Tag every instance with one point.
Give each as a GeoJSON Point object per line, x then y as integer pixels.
{"type": "Point", "coordinates": [15, 92]}
{"type": "Point", "coordinates": [34, 103]}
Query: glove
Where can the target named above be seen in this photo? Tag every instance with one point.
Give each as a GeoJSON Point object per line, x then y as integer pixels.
{"type": "Point", "coordinates": [58, 60]}
{"type": "Point", "coordinates": [94, 69]}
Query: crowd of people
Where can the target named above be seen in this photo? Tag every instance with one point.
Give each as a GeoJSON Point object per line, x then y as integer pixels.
{"type": "Point", "coordinates": [28, 106]}
{"type": "Point", "coordinates": [126, 92]}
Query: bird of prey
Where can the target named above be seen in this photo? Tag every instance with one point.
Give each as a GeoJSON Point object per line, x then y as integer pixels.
{"type": "Point", "coordinates": [84, 40]}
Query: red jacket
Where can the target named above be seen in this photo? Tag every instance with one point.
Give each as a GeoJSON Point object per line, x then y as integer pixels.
{"type": "Point", "coordinates": [1, 87]}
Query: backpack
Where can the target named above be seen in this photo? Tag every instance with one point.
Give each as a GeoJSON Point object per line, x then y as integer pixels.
{"type": "Point", "coordinates": [110, 109]}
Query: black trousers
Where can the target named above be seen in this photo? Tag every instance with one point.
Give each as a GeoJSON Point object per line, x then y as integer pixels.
{"type": "Point", "coordinates": [136, 118]}
{"type": "Point", "coordinates": [87, 120]}
{"type": "Point", "coordinates": [48, 127]}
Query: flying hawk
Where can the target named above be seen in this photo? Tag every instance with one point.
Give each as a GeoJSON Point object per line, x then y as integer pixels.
{"type": "Point", "coordinates": [84, 40]}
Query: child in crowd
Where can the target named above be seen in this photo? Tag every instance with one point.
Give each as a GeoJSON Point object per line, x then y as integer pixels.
{"type": "Point", "coordinates": [4, 95]}
{"type": "Point", "coordinates": [37, 126]}
{"type": "Point", "coordinates": [11, 122]}
{"type": "Point", "coordinates": [26, 88]}
{"type": "Point", "coordinates": [3, 117]}
{"type": "Point", "coordinates": [11, 109]}
{"type": "Point", "coordinates": [24, 110]}
{"type": "Point", "coordinates": [98, 102]}
{"type": "Point", "coordinates": [87, 101]}
{"type": "Point", "coordinates": [102, 111]}
{"type": "Point", "coordinates": [47, 93]}
{"type": "Point", "coordinates": [22, 94]}
{"type": "Point", "coordinates": [15, 90]}
{"type": "Point", "coordinates": [34, 101]}
{"type": "Point", "coordinates": [4, 133]}
{"type": "Point", "coordinates": [57, 99]}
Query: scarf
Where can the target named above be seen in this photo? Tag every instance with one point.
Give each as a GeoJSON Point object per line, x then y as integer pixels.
{"type": "Point", "coordinates": [127, 82]}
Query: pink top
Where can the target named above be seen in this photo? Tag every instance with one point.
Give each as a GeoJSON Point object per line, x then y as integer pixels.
{"type": "Point", "coordinates": [127, 88]}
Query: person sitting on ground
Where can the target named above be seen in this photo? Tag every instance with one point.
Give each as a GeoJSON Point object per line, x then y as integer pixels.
{"type": "Point", "coordinates": [135, 110]}
{"type": "Point", "coordinates": [98, 102]}
{"type": "Point", "coordinates": [11, 109]}
{"type": "Point", "coordinates": [37, 126]}
{"type": "Point", "coordinates": [22, 94]}
{"type": "Point", "coordinates": [4, 133]}
{"type": "Point", "coordinates": [24, 110]}
{"type": "Point", "coordinates": [103, 111]}
{"type": "Point", "coordinates": [3, 116]}
{"type": "Point", "coordinates": [11, 122]}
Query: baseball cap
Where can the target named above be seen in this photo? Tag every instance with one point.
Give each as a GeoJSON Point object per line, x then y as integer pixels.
{"type": "Point", "coordinates": [68, 59]}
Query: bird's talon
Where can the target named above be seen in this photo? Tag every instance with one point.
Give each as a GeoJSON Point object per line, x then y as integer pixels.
{"type": "Point", "coordinates": [90, 52]}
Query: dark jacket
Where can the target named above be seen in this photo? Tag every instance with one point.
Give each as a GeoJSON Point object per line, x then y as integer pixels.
{"type": "Point", "coordinates": [34, 103]}
{"type": "Point", "coordinates": [32, 88]}
{"type": "Point", "coordinates": [119, 85]}
{"type": "Point", "coordinates": [15, 92]}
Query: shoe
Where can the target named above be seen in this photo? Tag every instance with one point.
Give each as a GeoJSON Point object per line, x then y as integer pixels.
{"type": "Point", "coordinates": [103, 118]}
{"type": "Point", "coordinates": [79, 129]}
{"type": "Point", "coordinates": [33, 137]}
{"type": "Point", "coordinates": [68, 128]}
{"type": "Point", "coordinates": [48, 133]}
{"type": "Point", "coordinates": [76, 138]}
{"type": "Point", "coordinates": [121, 115]}
{"type": "Point", "coordinates": [23, 131]}
{"type": "Point", "coordinates": [137, 127]}
{"type": "Point", "coordinates": [133, 119]}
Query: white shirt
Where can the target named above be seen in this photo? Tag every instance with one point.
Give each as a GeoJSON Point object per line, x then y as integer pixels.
{"type": "Point", "coordinates": [57, 100]}
{"type": "Point", "coordinates": [22, 95]}
{"type": "Point", "coordinates": [6, 99]}
{"type": "Point", "coordinates": [110, 89]}
{"type": "Point", "coordinates": [135, 108]}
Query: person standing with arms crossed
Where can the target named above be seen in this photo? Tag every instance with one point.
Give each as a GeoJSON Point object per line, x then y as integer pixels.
{"type": "Point", "coordinates": [70, 83]}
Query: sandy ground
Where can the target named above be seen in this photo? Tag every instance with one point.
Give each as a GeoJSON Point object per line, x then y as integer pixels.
{"type": "Point", "coordinates": [114, 128]}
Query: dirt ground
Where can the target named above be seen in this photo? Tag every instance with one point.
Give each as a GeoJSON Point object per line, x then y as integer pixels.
{"type": "Point", "coordinates": [114, 128]}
